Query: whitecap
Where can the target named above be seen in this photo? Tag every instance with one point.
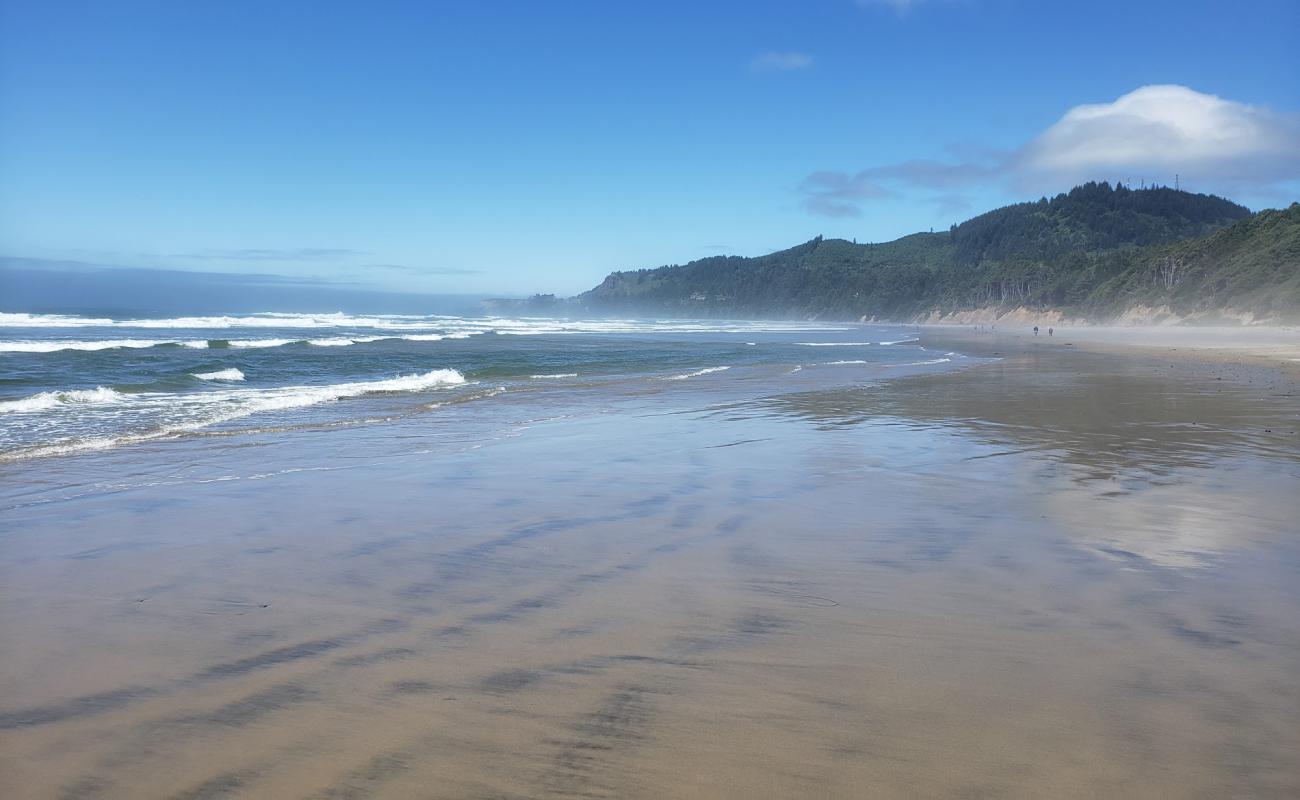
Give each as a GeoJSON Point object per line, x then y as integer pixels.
{"type": "Point", "coordinates": [261, 342]}
{"type": "Point", "coordinates": [55, 345]}
{"type": "Point", "coordinates": [835, 344]}
{"type": "Point", "coordinates": [21, 320]}
{"type": "Point", "coordinates": [193, 411]}
{"type": "Point", "coordinates": [426, 337]}
{"type": "Point", "coordinates": [920, 363]}
{"type": "Point", "coordinates": [853, 344]}
{"type": "Point", "coordinates": [48, 400]}
{"type": "Point", "coordinates": [435, 325]}
{"type": "Point", "coordinates": [232, 374]}
{"type": "Point", "coordinates": [696, 373]}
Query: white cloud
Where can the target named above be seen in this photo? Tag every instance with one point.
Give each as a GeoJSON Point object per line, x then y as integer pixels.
{"type": "Point", "coordinates": [1162, 130]}
{"type": "Point", "coordinates": [780, 62]}
{"type": "Point", "coordinates": [1151, 133]}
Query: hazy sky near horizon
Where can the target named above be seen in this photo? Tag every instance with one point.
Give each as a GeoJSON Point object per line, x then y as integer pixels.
{"type": "Point", "coordinates": [518, 147]}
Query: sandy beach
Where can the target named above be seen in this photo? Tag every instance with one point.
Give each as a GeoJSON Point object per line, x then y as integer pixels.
{"type": "Point", "coordinates": [1274, 346]}
{"type": "Point", "coordinates": [643, 401]}
{"type": "Point", "coordinates": [1069, 572]}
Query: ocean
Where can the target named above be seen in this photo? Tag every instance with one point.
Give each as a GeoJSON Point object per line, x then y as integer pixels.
{"type": "Point", "coordinates": [70, 383]}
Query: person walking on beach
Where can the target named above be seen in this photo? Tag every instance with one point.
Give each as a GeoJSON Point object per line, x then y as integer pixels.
{"type": "Point", "coordinates": [1049, 331]}
{"type": "Point", "coordinates": [1035, 330]}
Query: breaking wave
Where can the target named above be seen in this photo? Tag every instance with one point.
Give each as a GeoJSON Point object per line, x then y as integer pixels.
{"type": "Point", "coordinates": [72, 397]}
{"type": "Point", "coordinates": [853, 344]}
{"type": "Point", "coordinates": [181, 413]}
{"type": "Point", "coordinates": [921, 363]}
{"type": "Point", "coordinates": [435, 325]}
{"type": "Point", "coordinates": [231, 374]}
{"type": "Point", "coordinates": [696, 373]}
{"type": "Point", "coordinates": [55, 345]}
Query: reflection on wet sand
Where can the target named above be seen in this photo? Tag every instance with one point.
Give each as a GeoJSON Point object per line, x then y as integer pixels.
{"type": "Point", "coordinates": [1160, 434]}
{"type": "Point", "coordinates": [1109, 417]}
{"type": "Point", "coordinates": [948, 585]}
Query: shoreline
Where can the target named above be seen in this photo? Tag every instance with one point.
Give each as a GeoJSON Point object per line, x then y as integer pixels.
{"type": "Point", "coordinates": [1275, 349]}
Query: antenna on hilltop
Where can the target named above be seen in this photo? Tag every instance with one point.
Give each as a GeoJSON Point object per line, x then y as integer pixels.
{"type": "Point", "coordinates": [1175, 181]}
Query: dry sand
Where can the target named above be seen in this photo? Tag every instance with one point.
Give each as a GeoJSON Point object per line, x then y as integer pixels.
{"type": "Point", "coordinates": [1266, 346]}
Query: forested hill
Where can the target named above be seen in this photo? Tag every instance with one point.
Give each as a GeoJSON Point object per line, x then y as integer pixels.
{"type": "Point", "coordinates": [1097, 251]}
{"type": "Point", "coordinates": [1090, 218]}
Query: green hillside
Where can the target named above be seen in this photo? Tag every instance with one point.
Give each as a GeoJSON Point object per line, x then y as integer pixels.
{"type": "Point", "coordinates": [1094, 251]}
{"type": "Point", "coordinates": [1253, 265]}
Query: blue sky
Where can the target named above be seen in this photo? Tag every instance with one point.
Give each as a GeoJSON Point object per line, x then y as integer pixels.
{"type": "Point", "coordinates": [517, 147]}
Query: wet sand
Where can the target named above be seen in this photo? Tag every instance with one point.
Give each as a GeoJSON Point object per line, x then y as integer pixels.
{"type": "Point", "coordinates": [1064, 574]}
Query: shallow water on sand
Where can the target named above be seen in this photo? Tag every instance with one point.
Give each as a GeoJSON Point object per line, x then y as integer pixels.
{"type": "Point", "coordinates": [1058, 574]}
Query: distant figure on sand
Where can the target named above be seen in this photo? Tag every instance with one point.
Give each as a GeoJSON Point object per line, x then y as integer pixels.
{"type": "Point", "coordinates": [1035, 330]}
{"type": "Point", "coordinates": [1049, 331]}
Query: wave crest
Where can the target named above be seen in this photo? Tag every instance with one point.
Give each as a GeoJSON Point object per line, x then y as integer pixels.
{"type": "Point", "coordinates": [853, 344]}
{"type": "Point", "coordinates": [55, 345]}
{"type": "Point", "coordinates": [232, 374]}
{"type": "Point", "coordinates": [921, 363]}
{"type": "Point", "coordinates": [47, 400]}
{"type": "Point", "coordinates": [192, 411]}
{"type": "Point", "coordinates": [696, 373]}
